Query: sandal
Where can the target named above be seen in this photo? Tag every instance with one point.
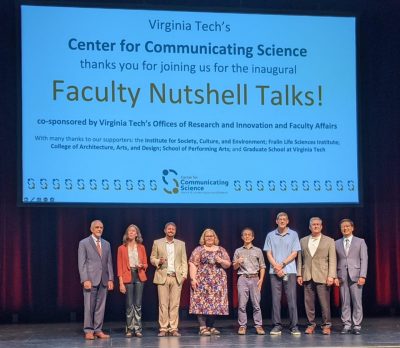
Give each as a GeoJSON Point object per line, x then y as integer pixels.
{"type": "Point", "coordinates": [204, 331]}
{"type": "Point", "coordinates": [214, 331]}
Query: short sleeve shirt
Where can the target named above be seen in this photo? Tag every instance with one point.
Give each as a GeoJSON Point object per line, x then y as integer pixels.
{"type": "Point", "coordinates": [281, 247]}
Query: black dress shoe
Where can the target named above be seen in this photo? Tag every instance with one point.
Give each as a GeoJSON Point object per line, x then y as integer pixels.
{"type": "Point", "coordinates": [357, 332]}
{"type": "Point", "coordinates": [345, 331]}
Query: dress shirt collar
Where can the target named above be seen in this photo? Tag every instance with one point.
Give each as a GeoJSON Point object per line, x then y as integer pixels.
{"type": "Point", "coordinates": [315, 238]}
{"type": "Point", "coordinates": [350, 238]}
{"type": "Point", "coordinates": [95, 239]}
{"type": "Point", "coordinates": [251, 246]}
{"type": "Point", "coordinates": [284, 233]}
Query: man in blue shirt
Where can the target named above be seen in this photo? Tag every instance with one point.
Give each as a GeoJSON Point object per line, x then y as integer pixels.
{"type": "Point", "coordinates": [281, 247]}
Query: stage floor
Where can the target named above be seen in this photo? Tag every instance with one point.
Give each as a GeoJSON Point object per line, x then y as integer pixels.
{"type": "Point", "coordinates": [376, 332]}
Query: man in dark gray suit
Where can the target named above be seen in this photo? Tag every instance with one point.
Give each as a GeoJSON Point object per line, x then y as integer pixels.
{"type": "Point", "coordinates": [96, 273]}
{"type": "Point", "coordinates": [316, 270]}
{"type": "Point", "coordinates": [352, 256]}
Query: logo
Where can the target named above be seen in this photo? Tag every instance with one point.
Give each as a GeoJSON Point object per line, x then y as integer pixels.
{"type": "Point", "coordinates": [169, 179]}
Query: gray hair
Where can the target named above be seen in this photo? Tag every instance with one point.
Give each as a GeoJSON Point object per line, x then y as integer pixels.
{"type": "Point", "coordinates": [315, 218]}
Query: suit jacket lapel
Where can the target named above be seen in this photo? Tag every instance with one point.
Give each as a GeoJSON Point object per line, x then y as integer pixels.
{"type": "Point", "coordinates": [307, 241]}
{"type": "Point", "coordinates": [176, 249]}
{"type": "Point", "coordinates": [164, 245]}
{"type": "Point", "coordinates": [341, 246]}
{"type": "Point", "coordinates": [320, 244]}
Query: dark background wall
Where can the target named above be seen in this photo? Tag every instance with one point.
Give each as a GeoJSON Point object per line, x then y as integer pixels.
{"type": "Point", "coordinates": [38, 246]}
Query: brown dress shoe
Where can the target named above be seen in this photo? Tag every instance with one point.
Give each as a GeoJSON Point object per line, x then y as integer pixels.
{"type": "Point", "coordinates": [242, 330]}
{"type": "Point", "coordinates": [89, 336]}
{"type": "Point", "coordinates": [310, 330]}
{"type": "Point", "coordinates": [260, 330]}
{"type": "Point", "coordinates": [326, 330]}
{"type": "Point", "coordinates": [101, 334]}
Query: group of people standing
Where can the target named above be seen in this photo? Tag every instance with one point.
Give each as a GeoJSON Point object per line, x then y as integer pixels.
{"type": "Point", "coordinates": [316, 262]}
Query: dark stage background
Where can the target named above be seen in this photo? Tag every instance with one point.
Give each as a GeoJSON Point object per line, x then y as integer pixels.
{"type": "Point", "coordinates": [38, 246]}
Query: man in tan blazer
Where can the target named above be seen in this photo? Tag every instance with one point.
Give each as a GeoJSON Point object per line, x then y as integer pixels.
{"type": "Point", "coordinates": [316, 270]}
{"type": "Point", "coordinates": [168, 255]}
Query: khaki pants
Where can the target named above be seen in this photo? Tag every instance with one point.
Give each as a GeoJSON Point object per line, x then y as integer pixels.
{"type": "Point", "coordinates": [169, 296]}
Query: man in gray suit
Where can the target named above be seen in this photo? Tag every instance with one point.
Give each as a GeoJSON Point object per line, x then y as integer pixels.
{"type": "Point", "coordinates": [316, 270]}
{"type": "Point", "coordinates": [96, 273]}
{"type": "Point", "coordinates": [352, 255]}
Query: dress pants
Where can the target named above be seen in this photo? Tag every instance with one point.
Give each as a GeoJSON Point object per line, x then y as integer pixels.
{"type": "Point", "coordinates": [94, 306]}
{"type": "Point", "coordinates": [290, 287]}
{"type": "Point", "coordinates": [323, 292]}
{"type": "Point", "coordinates": [351, 295]}
{"type": "Point", "coordinates": [247, 287]}
{"type": "Point", "coordinates": [169, 296]}
{"type": "Point", "coordinates": [134, 293]}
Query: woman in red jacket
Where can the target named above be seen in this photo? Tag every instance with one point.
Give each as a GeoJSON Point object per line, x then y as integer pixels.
{"type": "Point", "coordinates": [132, 265]}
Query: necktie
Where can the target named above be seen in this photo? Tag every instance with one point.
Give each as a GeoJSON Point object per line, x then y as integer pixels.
{"type": "Point", "coordinates": [98, 246]}
{"type": "Point", "coordinates": [346, 246]}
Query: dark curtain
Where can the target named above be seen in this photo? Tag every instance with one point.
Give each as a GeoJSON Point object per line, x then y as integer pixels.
{"type": "Point", "coordinates": [38, 246]}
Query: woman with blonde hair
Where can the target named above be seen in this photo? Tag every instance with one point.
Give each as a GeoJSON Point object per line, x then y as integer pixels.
{"type": "Point", "coordinates": [132, 266]}
{"type": "Point", "coordinates": [208, 281]}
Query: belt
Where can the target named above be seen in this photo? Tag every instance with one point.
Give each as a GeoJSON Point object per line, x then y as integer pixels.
{"type": "Point", "coordinates": [171, 274]}
{"type": "Point", "coordinates": [250, 275]}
